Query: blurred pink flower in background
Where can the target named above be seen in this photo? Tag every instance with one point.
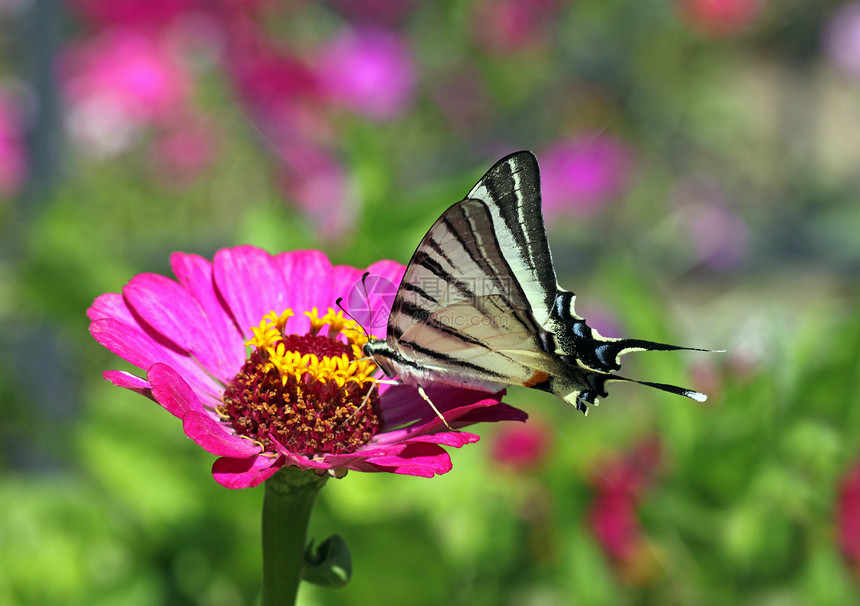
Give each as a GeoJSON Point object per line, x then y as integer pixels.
{"type": "Point", "coordinates": [620, 485]}
{"type": "Point", "coordinates": [583, 174]}
{"type": "Point", "coordinates": [184, 151]}
{"type": "Point", "coordinates": [630, 473]}
{"type": "Point", "coordinates": [848, 518]}
{"type": "Point", "coordinates": [842, 38]}
{"type": "Point", "coordinates": [720, 236]}
{"type": "Point", "coordinates": [614, 523]}
{"type": "Point", "coordinates": [118, 82]}
{"type": "Point", "coordinates": [521, 448]}
{"type": "Point", "coordinates": [600, 319]}
{"type": "Point", "coordinates": [142, 14]}
{"type": "Point", "coordinates": [370, 72]}
{"type": "Point", "coordinates": [277, 89]}
{"type": "Point", "coordinates": [316, 183]}
{"type": "Point", "coordinates": [13, 156]}
{"type": "Point", "coordinates": [720, 17]}
{"type": "Point", "coordinates": [266, 76]}
{"type": "Point", "coordinates": [511, 25]}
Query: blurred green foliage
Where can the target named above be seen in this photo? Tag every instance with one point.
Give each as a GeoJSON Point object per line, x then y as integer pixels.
{"type": "Point", "coordinates": [104, 501]}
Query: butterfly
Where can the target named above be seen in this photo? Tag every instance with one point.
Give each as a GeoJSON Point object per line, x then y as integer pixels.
{"type": "Point", "coordinates": [479, 305]}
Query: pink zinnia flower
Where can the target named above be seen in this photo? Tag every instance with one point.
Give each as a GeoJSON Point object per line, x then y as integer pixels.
{"type": "Point", "coordinates": [184, 151]}
{"type": "Point", "coordinates": [370, 72]}
{"type": "Point", "coordinates": [302, 396]}
{"type": "Point", "coordinates": [620, 485]}
{"type": "Point", "coordinates": [119, 82]}
{"type": "Point", "coordinates": [511, 25]}
{"type": "Point", "coordinates": [320, 186]}
{"type": "Point", "coordinates": [13, 157]}
{"type": "Point", "coordinates": [848, 517]}
{"type": "Point", "coordinates": [720, 236]}
{"type": "Point", "coordinates": [720, 17]}
{"type": "Point", "coordinates": [521, 448]}
{"type": "Point", "coordinates": [583, 174]}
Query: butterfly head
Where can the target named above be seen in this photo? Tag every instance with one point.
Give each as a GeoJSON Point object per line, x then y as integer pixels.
{"type": "Point", "coordinates": [381, 354]}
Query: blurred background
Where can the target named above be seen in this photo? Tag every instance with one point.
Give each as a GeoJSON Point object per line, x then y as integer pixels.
{"type": "Point", "coordinates": [700, 174]}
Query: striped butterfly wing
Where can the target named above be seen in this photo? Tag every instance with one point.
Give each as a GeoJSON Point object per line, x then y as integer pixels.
{"type": "Point", "coordinates": [459, 308]}
{"type": "Point", "coordinates": [491, 243]}
{"type": "Point", "coordinates": [511, 192]}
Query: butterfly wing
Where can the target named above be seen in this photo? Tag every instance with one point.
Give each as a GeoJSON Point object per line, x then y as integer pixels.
{"type": "Point", "coordinates": [461, 257]}
{"type": "Point", "coordinates": [461, 316]}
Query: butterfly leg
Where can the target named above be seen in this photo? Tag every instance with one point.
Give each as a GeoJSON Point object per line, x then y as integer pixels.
{"type": "Point", "coordinates": [427, 399]}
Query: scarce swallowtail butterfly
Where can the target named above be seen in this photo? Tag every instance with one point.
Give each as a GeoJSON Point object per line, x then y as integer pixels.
{"type": "Point", "coordinates": [479, 305]}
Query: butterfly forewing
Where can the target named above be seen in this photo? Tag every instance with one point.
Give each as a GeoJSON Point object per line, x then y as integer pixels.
{"type": "Point", "coordinates": [458, 260]}
{"type": "Point", "coordinates": [511, 192]}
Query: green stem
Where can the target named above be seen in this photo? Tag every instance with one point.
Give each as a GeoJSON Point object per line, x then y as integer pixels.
{"type": "Point", "coordinates": [287, 505]}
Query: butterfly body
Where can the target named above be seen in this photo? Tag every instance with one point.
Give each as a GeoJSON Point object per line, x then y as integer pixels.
{"type": "Point", "coordinates": [479, 305]}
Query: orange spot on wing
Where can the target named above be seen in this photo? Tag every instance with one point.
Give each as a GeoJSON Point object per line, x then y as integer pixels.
{"type": "Point", "coordinates": [536, 379]}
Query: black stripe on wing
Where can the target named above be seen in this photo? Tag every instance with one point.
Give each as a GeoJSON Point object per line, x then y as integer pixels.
{"type": "Point", "coordinates": [449, 359]}
{"type": "Point", "coordinates": [511, 190]}
{"type": "Point", "coordinates": [458, 260]}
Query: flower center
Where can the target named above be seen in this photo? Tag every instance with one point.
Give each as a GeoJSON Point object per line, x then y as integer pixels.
{"type": "Point", "coordinates": [309, 393]}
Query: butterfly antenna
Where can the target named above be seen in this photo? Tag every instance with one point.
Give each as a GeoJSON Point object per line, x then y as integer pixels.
{"type": "Point", "coordinates": [351, 317]}
{"type": "Point", "coordinates": [367, 298]}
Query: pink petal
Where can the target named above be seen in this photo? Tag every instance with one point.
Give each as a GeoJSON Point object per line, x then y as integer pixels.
{"type": "Point", "coordinates": [493, 413]}
{"type": "Point", "coordinates": [172, 391]}
{"type": "Point", "coordinates": [132, 382]}
{"type": "Point", "coordinates": [458, 405]}
{"type": "Point", "coordinates": [402, 404]}
{"type": "Point", "coordinates": [132, 345]}
{"type": "Point", "coordinates": [379, 451]}
{"type": "Point", "coordinates": [111, 305]}
{"type": "Point", "coordinates": [251, 283]}
{"type": "Point", "coordinates": [195, 274]}
{"type": "Point", "coordinates": [128, 343]}
{"type": "Point", "coordinates": [175, 395]}
{"type": "Point", "coordinates": [308, 273]}
{"type": "Point", "coordinates": [390, 270]}
{"type": "Point", "coordinates": [455, 439]}
{"type": "Point", "coordinates": [244, 473]}
{"type": "Point", "coordinates": [215, 438]}
{"type": "Point", "coordinates": [300, 461]}
{"type": "Point", "coordinates": [343, 278]}
{"type": "Point", "coordinates": [424, 460]}
{"type": "Point", "coordinates": [170, 310]}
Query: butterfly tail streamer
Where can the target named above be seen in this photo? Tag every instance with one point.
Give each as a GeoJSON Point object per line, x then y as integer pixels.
{"type": "Point", "coordinates": [602, 354]}
{"type": "Point", "coordinates": [597, 381]}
